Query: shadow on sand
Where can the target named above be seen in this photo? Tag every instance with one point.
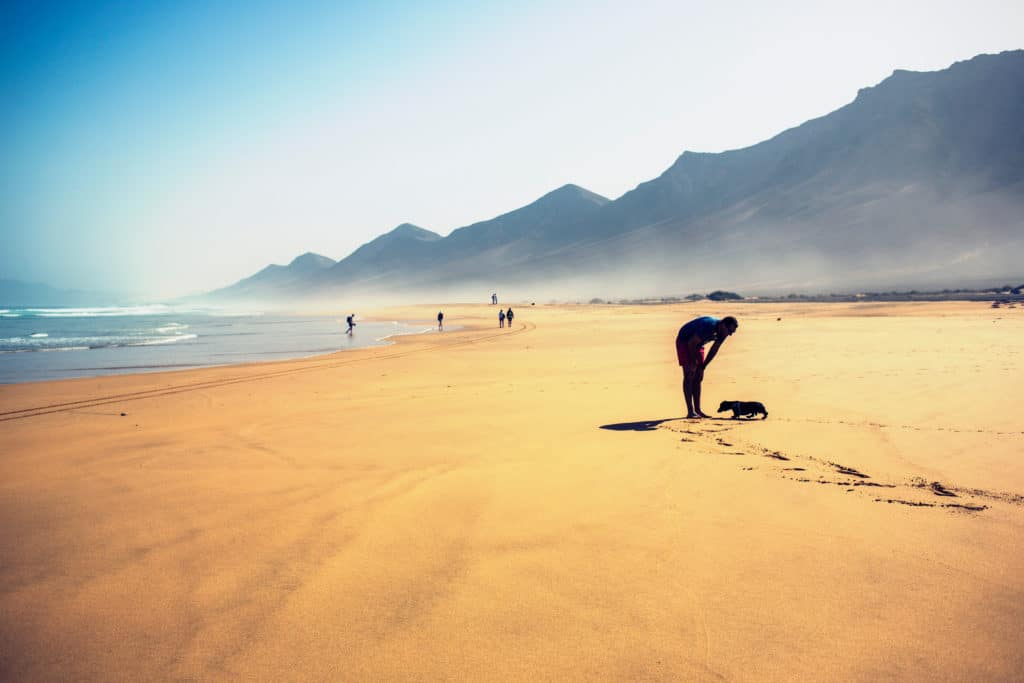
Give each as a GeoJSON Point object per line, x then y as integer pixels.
{"type": "Point", "coordinates": [651, 425]}
{"type": "Point", "coordinates": [642, 426]}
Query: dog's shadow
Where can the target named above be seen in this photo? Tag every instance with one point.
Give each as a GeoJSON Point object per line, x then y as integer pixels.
{"type": "Point", "coordinates": [646, 425]}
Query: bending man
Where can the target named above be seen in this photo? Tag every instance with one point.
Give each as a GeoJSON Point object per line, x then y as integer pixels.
{"type": "Point", "coordinates": [690, 350]}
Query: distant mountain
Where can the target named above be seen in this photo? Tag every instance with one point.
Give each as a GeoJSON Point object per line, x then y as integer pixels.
{"type": "Point", "coordinates": [309, 262]}
{"type": "Point", "coordinates": [16, 293]}
{"type": "Point", "coordinates": [410, 256]}
{"type": "Point", "coordinates": [554, 219]}
{"type": "Point", "coordinates": [919, 181]}
{"type": "Point", "coordinates": [919, 178]}
{"type": "Point", "coordinates": [370, 265]}
{"type": "Point", "coordinates": [274, 279]}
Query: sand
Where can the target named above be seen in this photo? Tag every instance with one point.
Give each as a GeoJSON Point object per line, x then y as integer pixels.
{"type": "Point", "coordinates": [527, 504]}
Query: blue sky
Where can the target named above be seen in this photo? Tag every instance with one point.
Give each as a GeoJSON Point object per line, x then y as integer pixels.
{"type": "Point", "coordinates": [166, 148]}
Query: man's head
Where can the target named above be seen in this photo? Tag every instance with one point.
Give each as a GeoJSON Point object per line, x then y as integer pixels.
{"type": "Point", "coordinates": [727, 326]}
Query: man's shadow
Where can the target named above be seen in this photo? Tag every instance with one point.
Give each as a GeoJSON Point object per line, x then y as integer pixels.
{"type": "Point", "coordinates": [648, 425]}
{"type": "Point", "coordinates": [642, 426]}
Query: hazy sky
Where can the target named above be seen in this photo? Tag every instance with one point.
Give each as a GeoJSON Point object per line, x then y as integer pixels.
{"type": "Point", "coordinates": [169, 148]}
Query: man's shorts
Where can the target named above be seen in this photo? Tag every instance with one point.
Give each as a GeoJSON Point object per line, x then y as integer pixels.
{"type": "Point", "coordinates": [687, 360]}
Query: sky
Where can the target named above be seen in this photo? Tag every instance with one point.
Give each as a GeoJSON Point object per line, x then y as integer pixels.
{"type": "Point", "coordinates": [164, 149]}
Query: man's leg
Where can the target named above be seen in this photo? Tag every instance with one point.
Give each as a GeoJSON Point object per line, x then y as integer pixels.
{"type": "Point", "coordinates": [688, 392]}
{"type": "Point", "coordinates": [698, 378]}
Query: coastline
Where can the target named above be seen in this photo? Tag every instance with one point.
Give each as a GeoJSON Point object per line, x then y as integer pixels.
{"type": "Point", "coordinates": [504, 504]}
{"type": "Point", "coordinates": [185, 378]}
{"type": "Point", "coordinates": [129, 346]}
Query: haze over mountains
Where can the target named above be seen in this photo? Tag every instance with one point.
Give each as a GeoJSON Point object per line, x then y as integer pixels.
{"type": "Point", "coordinates": [918, 182]}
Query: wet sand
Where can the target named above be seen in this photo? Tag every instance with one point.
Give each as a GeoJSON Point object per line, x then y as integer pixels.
{"type": "Point", "coordinates": [528, 504]}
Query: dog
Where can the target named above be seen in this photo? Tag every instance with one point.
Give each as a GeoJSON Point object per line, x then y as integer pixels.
{"type": "Point", "coordinates": [744, 408]}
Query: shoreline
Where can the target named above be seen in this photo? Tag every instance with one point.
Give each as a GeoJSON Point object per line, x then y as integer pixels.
{"type": "Point", "coordinates": [176, 363]}
{"type": "Point", "coordinates": [193, 376]}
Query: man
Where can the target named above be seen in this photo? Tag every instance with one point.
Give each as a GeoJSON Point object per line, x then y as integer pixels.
{"type": "Point", "coordinates": [690, 350]}
{"type": "Point", "coordinates": [440, 320]}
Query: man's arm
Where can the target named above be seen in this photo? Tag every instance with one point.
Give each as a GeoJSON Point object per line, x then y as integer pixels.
{"type": "Point", "coordinates": [714, 351]}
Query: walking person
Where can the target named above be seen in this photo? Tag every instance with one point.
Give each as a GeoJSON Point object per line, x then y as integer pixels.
{"type": "Point", "coordinates": [508, 316]}
{"type": "Point", "coordinates": [440, 320]}
{"type": "Point", "coordinates": [690, 343]}
{"type": "Point", "coordinates": [501, 318]}
{"type": "Point", "coordinates": [351, 320]}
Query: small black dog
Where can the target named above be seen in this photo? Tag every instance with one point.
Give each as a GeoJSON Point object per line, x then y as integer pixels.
{"type": "Point", "coordinates": [745, 408]}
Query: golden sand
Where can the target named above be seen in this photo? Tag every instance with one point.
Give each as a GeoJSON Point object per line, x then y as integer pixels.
{"type": "Point", "coordinates": [526, 504]}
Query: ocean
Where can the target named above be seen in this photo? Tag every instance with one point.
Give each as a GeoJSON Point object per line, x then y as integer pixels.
{"type": "Point", "coordinates": [56, 343]}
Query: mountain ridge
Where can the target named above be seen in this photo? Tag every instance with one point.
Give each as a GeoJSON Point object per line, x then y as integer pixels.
{"type": "Point", "coordinates": [919, 175]}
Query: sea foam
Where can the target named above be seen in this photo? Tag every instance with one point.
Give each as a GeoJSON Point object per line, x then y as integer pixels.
{"type": "Point", "coordinates": [170, 328]}
{"type": "Point", "coordinates": [98, 311]}
{"type": "Point", "coordinates": [165, 340]}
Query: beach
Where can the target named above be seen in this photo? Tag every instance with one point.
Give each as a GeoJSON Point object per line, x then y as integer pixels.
{"type": "Point", "coordinates": [528, 503]}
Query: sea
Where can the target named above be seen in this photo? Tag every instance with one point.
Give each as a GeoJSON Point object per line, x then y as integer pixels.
{"type": "Point", "coordinates": [39, 344]}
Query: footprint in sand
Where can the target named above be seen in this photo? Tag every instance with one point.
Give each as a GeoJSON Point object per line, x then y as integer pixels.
{"type": "Point", "coordinates": [920, 504]}
{"type": "Point", "coordinates": [860, 478]}
{"type": "Point", "coordinates": [848, 471]}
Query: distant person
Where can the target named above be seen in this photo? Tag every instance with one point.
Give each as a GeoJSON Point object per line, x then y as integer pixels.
{"type": "Point", "coordinates": [508, 316]}
{"type": "Point", "coordinates": [494, 298]}
{"type": "Point", "coordinates": [690, 351]}
{"type": "Point", "coordinates": [351, 320]}
{"type": "Point", "coordinates": [501, 318]}
{"type": "Point", "coordinates": [440, 320]}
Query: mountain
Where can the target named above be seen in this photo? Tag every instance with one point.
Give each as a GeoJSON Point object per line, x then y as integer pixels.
{"type": "Point", "coordinates": [553, 219]}
{"type": "Point", "coordinates": [480, 250]}
{"type": "Point", "coordinates": [275, 280]}
{"type": "Point", "coordinates": [919, 178]}
{"type": "Point", "coordinates": [410, 257]}
{"type": "Point", "coordinates": [309, 262]}
{"type": "Point", "coordinates": [918, 181]}
{"type": "Point", "coordinates": [415, 260]}
{"type": "Point", "coordinates": [370, 265]}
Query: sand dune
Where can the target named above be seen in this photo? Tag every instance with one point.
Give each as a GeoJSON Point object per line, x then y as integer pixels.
{"type": "Point", "coordinates": [527, 504]}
